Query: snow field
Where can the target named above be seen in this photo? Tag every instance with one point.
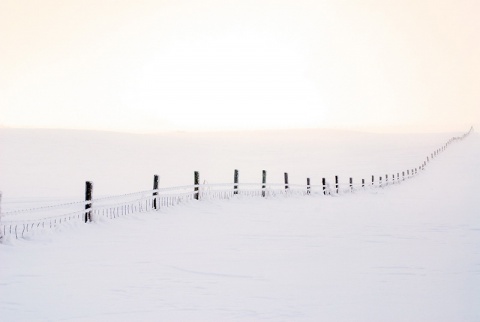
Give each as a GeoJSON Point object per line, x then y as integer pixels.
{"type": "Point", "coordinates": [409, 252]}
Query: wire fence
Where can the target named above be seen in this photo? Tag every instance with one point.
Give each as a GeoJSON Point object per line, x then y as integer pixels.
{"type": "Point", "coordinates": [25, 223]}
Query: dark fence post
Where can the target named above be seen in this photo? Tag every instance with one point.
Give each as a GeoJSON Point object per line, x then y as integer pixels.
{"type": "Point", "coordinates": [336, 184]}
{"type": "Point", "coordinates": [235, 181]}
{"type": "Point", "coordinates": [196, 182]}
{"type": "Point", "coordinates": [373, 180]}
{"type": "Point", "coordinates": [156, 204]}
{"type": "Point", "coordinates": [324, 186]}
{"type": "Point", "coordinates": [264, 181]}
{"type": "Point", "coordinates": [308, 186]}
{"type": "Point", "coordinates": [88, 197]}
{"type": "Point", "coordinates": [380, 181]}
{"type": "Point", "coordinates": [403, 175]}
{"type": "Point", "coordinates": [363, 183]}
{"type": "Point", "coordinates": [386, 179]}
{"type": "Point", "coordinates": [285, 175]}
{"type": "Point", "coordinates": [351, 184]}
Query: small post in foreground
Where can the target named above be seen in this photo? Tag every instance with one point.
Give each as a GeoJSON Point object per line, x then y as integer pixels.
{"type": "Point", "coordinates": [264, 181]}
{"type": "Point", "coordinates": [235, 181]}
{"type": "Point", "coordinates": [156, 204]}
{"type": "Point", "coordinates": [196, 182]}
{"type": "Point", "coordinates": [88, 197]}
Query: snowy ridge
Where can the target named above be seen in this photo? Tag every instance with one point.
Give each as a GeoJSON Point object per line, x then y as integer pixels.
{"type": "Point", "coordinates": [22, 223]}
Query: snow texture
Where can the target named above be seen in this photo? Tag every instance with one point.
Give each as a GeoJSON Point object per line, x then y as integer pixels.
{"type": "Point", "coordinates": [407, 252]}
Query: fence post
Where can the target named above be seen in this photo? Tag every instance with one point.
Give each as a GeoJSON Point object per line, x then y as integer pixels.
{"type": "Point", "coordinates": [285, 175]}
{"type": "Point", "coordinates": [264, 181]}
{"type": "Point", "coordinates": [403, 175]}
{"type": "Point", "coordinates": [408, 173]}
{"type": "Point", "coordinates": [380, 181]}
{"type": "Point", "coordinates": [88, 197]}
{"type": "Point", "coordinates": [363, 183]}
{"type": "Point", "coordinates": [1, 231]}
{"type": "Point", "coordinates": [0, 210]}
{"type": "Point", "coordinates": [324, 186]}
{"type": "Point", "coordinates": [386, 179]}
{"type": "Point", "coordinates": [351, 184]}
{"type": "Point", "coordinates": [308, 186]}
{"type": "Point", "coordinates": [373, 180]}
{"type": "Point", "coordinates": [235, 181]}
{"type": "Point", "coordinates": [336, 184]}
{"type": "Point", "coordinates": [156, 204]}
{"type": "Point", "coordinates": [196, 182]}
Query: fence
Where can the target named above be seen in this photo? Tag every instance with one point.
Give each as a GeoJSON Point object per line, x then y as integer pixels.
{"type": "Point", "coordinates": [28, 222]}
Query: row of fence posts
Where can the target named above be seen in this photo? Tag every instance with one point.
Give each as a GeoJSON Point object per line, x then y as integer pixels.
{"type": "Point", "coordinates": [156, 203]}
{"type": "Point", "coordinates": [156, 206]}
{"type": "Point", "coordinates": [196, 195]}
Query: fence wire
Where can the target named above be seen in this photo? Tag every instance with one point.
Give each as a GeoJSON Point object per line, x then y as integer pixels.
{"type": "Point", "coordinates": [25, 223]}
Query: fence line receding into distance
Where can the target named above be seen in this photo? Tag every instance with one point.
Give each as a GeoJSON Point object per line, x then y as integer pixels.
{"type": "Point", "coordinates": [27, 222]}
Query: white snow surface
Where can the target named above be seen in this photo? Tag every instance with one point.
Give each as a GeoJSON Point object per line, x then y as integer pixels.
{"type": "Point", "coordinates": [407, 252]}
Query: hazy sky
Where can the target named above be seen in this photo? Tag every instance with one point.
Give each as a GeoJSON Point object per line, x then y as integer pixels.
{"type": "Point", "coordinates": [149, 66]}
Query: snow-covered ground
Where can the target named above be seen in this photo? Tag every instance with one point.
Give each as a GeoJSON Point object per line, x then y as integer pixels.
{"type": "Point", "coordinates": [408, 252]}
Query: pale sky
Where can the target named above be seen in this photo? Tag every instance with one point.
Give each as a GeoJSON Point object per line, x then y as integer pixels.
{"type": "Point", "coordinates": [153, 66]}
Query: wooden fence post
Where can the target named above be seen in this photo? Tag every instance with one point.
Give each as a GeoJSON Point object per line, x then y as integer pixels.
{"type": "Point", "coordinates": [386, 179]}
{"type": "Point", "coordinates": [235, 181]}
{"type": "Point", "coordinates": [403, 175]}
{"type": "Point", "coordinates": [351, 184]}
{"type": "Point", "coordinates": [156, 204]}
{"type": "Point", "coordinates": [196, 182]}
{"type": "Point", "coordinates": [264, 181]}
{"type": "Point", "coordinates": [363, 183]}
{"type": "Point", "coordinates": [324, 186]}
{"type": "Point", "coordinates": [308, 186]}
{"type": "Point", "coordinates": [373, 180]}
{"type": "Point", "coordinates": [88, 197]}
{"type": "Point", "coordinates": [336, 184]}
{"type": "Point", "coordinates": [285, 175]}
{"type": "Point", "coordinates": [380, 182]}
